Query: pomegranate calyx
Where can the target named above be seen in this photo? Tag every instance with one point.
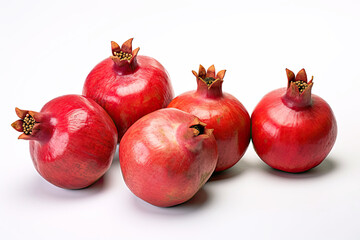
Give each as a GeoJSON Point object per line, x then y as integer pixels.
{"type": "Point", "coordinates": [221, 74]}
{"type": "Point", "coordinates": [115, 48]}
{"type": "Point", "coordinates": [209, 80]}
{"type": "Point", "coordinates": [298, 92]}
{"type": "Point", "coordinates": [127, 46]}
{"type": "Point", "coordinates": [211, 71]}
{"type": "Point", "coordinates": [290, 75]}
{"type": "Point", "coordinates": [199, 128]}
{"type": "Point", "coordinates": [17, 125]}
{"type": "Point", "coordinates": [28, 123]}
{"type": "Point", "coordinates": [124, 54]}
{"type": "Point", "coordinates": [208, 77]}
{"type": "Point", "coordinates": [299, 83]}
{"type": "Point", "coordinates": [301, 76]}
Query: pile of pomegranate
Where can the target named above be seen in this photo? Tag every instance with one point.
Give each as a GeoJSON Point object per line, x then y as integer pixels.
{"type": "Point", "coordinates": [170, 147]}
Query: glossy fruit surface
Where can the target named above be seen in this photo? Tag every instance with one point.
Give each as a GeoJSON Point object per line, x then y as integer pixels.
{"type": "Point", "coordinates": [128, 86]}
{"type": "Point", "coordinates": [293, 130]}
{"type": "Point", "coordinates": [221, 112]}
{"type": "Point", "coordinates": [167, 156]}
{"type": "Point", "coordinates": [72, 140]}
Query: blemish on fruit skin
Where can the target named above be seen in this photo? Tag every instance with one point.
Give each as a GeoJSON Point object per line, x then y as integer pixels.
{"type": "Point", "coordinates": [218, 119]}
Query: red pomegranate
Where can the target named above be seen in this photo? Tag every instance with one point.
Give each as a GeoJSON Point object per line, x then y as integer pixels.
{"type": "Point", "coordinates": [128, 86]}
{"type": "Point", "coordinates": [292, 129]}
{"type": "Point", "coordinates": [167, 156]}
{"type": "Point", "coordinates": [72, 140]}
{"type": "Point", "coordinates": [221, 112]}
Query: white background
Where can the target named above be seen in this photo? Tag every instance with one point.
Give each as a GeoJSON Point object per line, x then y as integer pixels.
{"type": "Point", "coordinates": [48, 48]}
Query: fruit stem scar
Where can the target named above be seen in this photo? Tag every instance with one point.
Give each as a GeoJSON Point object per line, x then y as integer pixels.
{"type": "Point", "coordinates": [200, 129]}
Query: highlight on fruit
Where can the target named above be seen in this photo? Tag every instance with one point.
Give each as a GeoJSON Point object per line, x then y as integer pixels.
{"type": "Point", "coordinates": [170, 147]}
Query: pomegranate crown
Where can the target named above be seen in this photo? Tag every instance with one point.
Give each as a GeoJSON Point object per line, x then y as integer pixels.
{"type": "Point", "coordinates": [124, 54]}
{"type": "Point", "coordinates": [199, 128]}
{"type": "Point", "coordinates": [28, 124]}
{"type": "Point", "coordinates": [209, 77]}
{"type": "Point", "coordinates": [299, 83]}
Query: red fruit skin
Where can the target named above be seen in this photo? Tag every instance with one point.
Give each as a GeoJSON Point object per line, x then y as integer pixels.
{"type": "Point", "coordinates": [130, 91]}
{"type": "Point", "coordinates": [229, 119]}
{"type": "Point", "coordinates": [161, 160]}
{"type": "Point", "coordinates": [289, 138]}
{"type": "Point", "coordinates": [223, 113]}
{"type": "Point", "coordinates": [76, 144]}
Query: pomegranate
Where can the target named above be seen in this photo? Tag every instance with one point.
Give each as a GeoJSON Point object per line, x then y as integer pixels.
{"type": "Point", "coordinates": [221, 112]}
{"type": "Point", "coordinates": [128, 86]}
{"type": "Point", "coordinates": [292, 129]}
{"type": "Point", "coordinates": [167, 156]}
{"type": "Point", "coordinates": [72, 140]}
